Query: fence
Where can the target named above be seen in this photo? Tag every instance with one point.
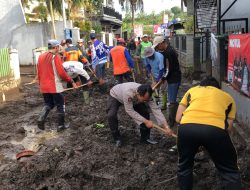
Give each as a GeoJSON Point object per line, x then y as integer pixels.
{"type": "Point", "coordinates": [5, 69]}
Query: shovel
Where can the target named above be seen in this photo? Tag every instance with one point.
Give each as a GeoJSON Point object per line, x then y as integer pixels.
{"type": "Point", "coordinates": [162, 130]}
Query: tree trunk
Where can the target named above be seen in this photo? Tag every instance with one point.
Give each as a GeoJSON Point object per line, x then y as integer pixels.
{"type": "Point", "coordinates": [52, 19]}
{"type": "Point", "coordinates": [133, 19]}
{"type": "Point", "coordinates": [182, 8]}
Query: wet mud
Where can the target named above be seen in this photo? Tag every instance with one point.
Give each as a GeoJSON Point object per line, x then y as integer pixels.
{"type": "Point", "coordinates": [84, 156]}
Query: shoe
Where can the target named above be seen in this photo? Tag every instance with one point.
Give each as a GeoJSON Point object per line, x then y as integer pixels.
{"type": "Point", "coordinates": [149, 141]}
{"type": "Point", "coordinates": [62, 127]}
{"type": "Point", "coordinates": [118, 143]}
{"type": "Point", "coordinates": [173, 148]}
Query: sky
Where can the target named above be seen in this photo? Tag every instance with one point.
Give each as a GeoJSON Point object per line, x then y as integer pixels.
{"type": "Point", "coordinates": [153, 5]}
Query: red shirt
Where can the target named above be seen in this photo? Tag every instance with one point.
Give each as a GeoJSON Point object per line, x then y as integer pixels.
{"type": "Point", "coordinates": [50, 75]}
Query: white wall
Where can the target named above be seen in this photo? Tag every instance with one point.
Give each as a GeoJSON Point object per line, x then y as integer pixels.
{"type": "Point", "coordinates": [239, 10]}
{"type": "Point", "coordinates": [11, 17]}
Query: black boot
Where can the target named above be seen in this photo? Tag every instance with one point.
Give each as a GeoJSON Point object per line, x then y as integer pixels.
{"type": "Point", "coordinates": [145, 135]}
{"type": "Point", "coordinates": [42, 117]}
{"type": "Point", "coordinates": [172, 109]}
{"type": "Point", "coordinates": [61, 124]}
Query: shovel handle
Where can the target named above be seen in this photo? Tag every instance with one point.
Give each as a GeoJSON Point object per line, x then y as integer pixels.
{"type": "Point", "coordinates": [157, 84]}
{"type": "Point", "coordinates": [162, 130]}
{"type": "Point", "coordinates": [68, 89]}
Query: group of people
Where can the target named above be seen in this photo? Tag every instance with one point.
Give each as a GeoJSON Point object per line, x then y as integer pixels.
{"type": "Point", "coordinates": [205, 114]}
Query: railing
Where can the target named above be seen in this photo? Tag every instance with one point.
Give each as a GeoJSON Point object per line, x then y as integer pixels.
{"type": "Point", "coordinates": [5, 69]}
{"type": "Point", "coordinates": [111, 12]}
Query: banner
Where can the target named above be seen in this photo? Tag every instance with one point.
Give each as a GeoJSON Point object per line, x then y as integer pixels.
{"type": "Point", "coordinates": [138, 29]}
{"type": "Point", "coordinates": [238, 72]}
{"type": "Point", "coordinates": [206, 13]}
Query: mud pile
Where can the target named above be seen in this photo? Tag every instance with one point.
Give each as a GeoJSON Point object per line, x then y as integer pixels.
{"type": "Point", "coordinates": [84, 157]}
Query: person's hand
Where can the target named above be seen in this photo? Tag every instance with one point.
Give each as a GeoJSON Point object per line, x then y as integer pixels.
{"type": "Point", "coordinates": [89, 83]}
{"type": "Point", "coordinates": [74, 85]}
{"type": "Point", "coordinates": [168, 131]}
{"type": "Point", "coordinates": [148, 123]}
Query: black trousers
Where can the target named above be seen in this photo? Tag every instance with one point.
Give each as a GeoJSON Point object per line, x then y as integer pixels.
{"type": "Point", "coordinates": [55, 99]}
{"type": "Point", "coordinates": [220, 147]}
{"type": "Point", "coordinates": [119, 78]}
{"type": "Point", "coordinates": [113, 107]}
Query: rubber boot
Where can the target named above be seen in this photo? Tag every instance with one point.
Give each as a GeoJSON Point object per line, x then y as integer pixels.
{"type": "Point", "coordinates": [42, 117]}
{"type": "Point", "coordinates": [61, 122]}
{"type": "Point", "coordinates": [117, 138]}
{"type": "Point", "coordinates": [164, 102]}
{"type": "Point", "coordinates": [172, 109]}
{"type": "Point", "coordinates": [145, 135]}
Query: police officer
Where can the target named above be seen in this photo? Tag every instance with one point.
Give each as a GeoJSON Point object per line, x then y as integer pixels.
{"type": "Point", "coordinates": [136, 99]}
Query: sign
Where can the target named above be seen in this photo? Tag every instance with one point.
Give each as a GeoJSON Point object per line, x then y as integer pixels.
{"type": "Point", "coordinates": [157, 29]}
{"type": "Point", "coordinates": [206, 12]}
{"type": "Point", "coordinates": [238, 71]}
{"type": "Point", "coordinates": [67, 33]}
{"type": "Point", "coordinates": [165, 19]}
{"type": "Point", "coordinates": [138, 29]}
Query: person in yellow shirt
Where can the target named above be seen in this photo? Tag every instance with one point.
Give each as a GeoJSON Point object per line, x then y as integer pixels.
{"type": "Point", "coordinates": [206, 114]}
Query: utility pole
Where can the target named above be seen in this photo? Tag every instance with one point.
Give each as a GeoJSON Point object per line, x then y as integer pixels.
{"type": "Point", "coordinates": [64, 15]}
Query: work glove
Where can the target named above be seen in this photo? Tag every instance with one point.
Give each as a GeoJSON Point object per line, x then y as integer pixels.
{"type": "Point", "coordinates": [164, 77]}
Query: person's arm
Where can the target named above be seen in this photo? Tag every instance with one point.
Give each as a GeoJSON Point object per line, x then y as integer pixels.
{"type": "Point", "coordinates": [181, 109]}
{"type": "Point", "coordinates": [129, 59]}
{"type": "Point", "coordinates": [183, 106]}
{"type": "Point", "coordinates": [231, 115]}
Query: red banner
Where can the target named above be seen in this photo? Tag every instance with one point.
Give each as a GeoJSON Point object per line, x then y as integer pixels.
{"type": "Point", "coordinates": [238, 71]}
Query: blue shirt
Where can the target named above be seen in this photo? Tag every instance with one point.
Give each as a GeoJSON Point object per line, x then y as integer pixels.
{"type": "Point", "coordinates": [155, 66]}
{"type": "Point", "coordinates": [100, 52]}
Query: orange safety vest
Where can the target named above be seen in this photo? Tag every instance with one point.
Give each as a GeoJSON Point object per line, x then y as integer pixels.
{"type": "Point", "coordinates": [120, 65]}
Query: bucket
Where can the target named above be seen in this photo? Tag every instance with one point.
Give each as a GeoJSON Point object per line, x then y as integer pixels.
{"type": "Point", "coordinates": [86, 97]}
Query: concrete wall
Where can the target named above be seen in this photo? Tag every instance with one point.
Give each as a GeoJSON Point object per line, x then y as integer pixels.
{"type": "Point", "coordinates": [239, 10]}
{"type": "Point", "coordinates": [186, 58]}
{"type": "Point", "coordinates": [35, 35]}
{"type": "Point", "coordinates": [242, 104]}
{"type": "Point", "coordinates": [11, 17]}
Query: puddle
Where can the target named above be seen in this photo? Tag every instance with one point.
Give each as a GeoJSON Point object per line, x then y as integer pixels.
{"type": "Point", "coordinates": [33, 140]}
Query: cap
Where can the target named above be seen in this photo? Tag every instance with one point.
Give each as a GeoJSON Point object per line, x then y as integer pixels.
{"type": "Point", "coordinates": [157, 40]}
{"type": "Point", "coordinates": [149, 51]}
{"type": "Point", "coordinates": [80, 41]}
{"type": "Point", "coordinates": [92, 35]}
{"type": "Point", "coordinates": [121, 40]}
{"type": "Point", "coordinates": [53, 43]}
{"type": "Point", "coordinates": [145, 35]}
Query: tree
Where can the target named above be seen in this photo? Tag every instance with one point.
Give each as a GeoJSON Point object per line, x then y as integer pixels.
{"type": "Point", "coordinates": [41, 12]}
{"type": "Point", "coordinates": [176, 10]}
{"type": "Point", "coordinates": [132, 6]}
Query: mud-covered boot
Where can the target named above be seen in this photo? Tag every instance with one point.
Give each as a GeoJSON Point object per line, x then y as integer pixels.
{"type": "Point", "coordinates": [117, 139]}
{"type": "Point", "coordinates": [164, 102]}
{"type": "Point", "coordinates": [61, 123]}
{"type": "Point", "coordinates": [42, 117]}
{"type": "Point", "coordinates": [145, 135]}
{"type": "Point", "coordinates": [172, 109]}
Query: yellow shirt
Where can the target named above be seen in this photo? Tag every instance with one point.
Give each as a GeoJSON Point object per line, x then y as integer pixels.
{"type": "Point", "coordinates": [207, 105]}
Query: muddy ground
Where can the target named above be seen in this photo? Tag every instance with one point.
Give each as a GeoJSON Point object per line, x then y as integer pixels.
{"type": "Point", "coordinates": [84, 157]}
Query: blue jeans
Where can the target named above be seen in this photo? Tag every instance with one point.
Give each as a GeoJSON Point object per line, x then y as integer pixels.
{"type": "Point", "coordinates": [56, 99]}
{"type": "Point", "coordinates": [173, 91]}
{"type": "Point", "coordinates": [100, 71]}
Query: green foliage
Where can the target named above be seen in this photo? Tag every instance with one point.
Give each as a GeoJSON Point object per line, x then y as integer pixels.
{"type": "Point", "coordinates": [176, 10]}
{"type": "Point", "coordinates": [189, 24]}
{"type": "Point", "coordinates": [41, 12]}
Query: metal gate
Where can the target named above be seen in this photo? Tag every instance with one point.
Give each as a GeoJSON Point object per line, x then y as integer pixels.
{"type": "Point", "coordinates": [5, 69]}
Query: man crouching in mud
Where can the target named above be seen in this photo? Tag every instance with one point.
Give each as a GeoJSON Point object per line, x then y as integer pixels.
{"type": "Point", "coordinates": [137, 100]}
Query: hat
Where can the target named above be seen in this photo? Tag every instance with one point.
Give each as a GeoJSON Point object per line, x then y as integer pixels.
{"type": "Point", "coordinates": [121, 40]}
{"type": "Point", "coordinates": [145, 35]}
{"type": "Point", "coordinates": [53, 43]}
{"type": "Point", "coordinates": [80, 41]}
{"type": "Point", "coordinates": [157, 40]}
{"type": "Point", "coordinates": [92, 35]}
{"type": "Point", "coordinates": [149, 51]}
